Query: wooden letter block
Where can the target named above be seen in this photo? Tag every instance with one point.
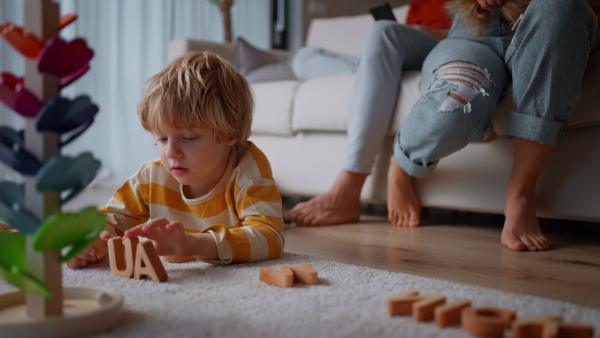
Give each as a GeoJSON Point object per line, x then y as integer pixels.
{"type": "Point", "coordinates": [449, 314]}
{"type": "Point", "coordinates": [573, 330]}
{"type": "Point", "coordinates": [177, 259]}
{"type": "Point", "coordinates": [147, 263]}
{"type": "Point", "coordinates": [283, 278]}
{"type": "Point", "coordinates": [401, 304]}
{"type": "Point", "coordinates": [423, 309]}
{"type": "Point", "coordinates": [101, 249]}
{"type": "Point", "coordinates": [486, 322]}
{"type": "Point", "coordinates": [305, 274]}
{"type": "Point", "coordinates": [534, 328]}
{"type": "Point", "coordinates": [121, 255]}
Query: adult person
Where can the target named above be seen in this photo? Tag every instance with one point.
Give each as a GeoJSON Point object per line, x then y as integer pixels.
{"type": "Point", "coordinates": [388, 49]}
{"type": "Point", "coordinates": [543, 54]}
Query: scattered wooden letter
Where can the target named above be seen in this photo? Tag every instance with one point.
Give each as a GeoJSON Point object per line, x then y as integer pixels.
{"type": "Point", "coordinates": [534, 327]}
{"type": "Point", "coordinates": [401, 304]}
{"type": "Point", "coordinates": [423, 309]}
{"type": "Point", "coordinates": [550, 327]}
{"type": "Point", "coordinates": [177, 259]}
{"type": "Point", "coordinates": [147, 263]}
{"type": "Point", "coordinates": [304, 274]}
{"type": "Point", "coordinates": [449, 314]}
{"type": "Point", "coordinates": [130, 258]}
{"type": "Point", "coordinates": [486, 321]}
{"type": "Point", "coordinates": [283, 278]}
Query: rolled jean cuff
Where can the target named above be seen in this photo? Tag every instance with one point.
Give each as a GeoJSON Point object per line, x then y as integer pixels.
{"type": "Point", "coordinates": [535, 128]}
{"type": "Point", "coordinates": [410, 167]}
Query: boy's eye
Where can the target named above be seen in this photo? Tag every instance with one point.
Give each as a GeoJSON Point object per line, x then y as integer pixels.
{"type": "Point", "coordinates": [190, 138]}
{"type": "Point", "coordinates": [161, 139]}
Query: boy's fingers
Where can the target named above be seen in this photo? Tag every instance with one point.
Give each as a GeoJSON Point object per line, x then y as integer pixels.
{"type": "Point", "coordinates": [173, 226]}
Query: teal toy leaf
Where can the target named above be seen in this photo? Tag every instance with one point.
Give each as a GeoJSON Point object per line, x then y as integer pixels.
{"type": "Point", "coordinates": [12, 208]}
{"type": "Point", "coordinates": [61, 173]}
{"type": "Point", "coordinates": [62, 115]}
{"type": "Point", "coordinates": [69, 232]}
{"type": "Point", "coordinates": [13, 265]}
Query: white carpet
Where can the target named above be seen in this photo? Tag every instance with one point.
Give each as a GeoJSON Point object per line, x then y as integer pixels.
{"type": "Point", "coordinates": [202, 300]}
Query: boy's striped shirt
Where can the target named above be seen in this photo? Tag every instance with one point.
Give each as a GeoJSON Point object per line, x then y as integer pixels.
{"type": "Point", "coordinates": [243, 212]}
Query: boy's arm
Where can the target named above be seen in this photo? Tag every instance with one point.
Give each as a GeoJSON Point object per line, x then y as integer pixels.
{"type": "Point", "coordinates": [260, 235]}
{"type": "Point", "coordinates": [128, 206]}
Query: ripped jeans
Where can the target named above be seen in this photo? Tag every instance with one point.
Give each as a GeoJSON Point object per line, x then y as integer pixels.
{"type": "Point", "coordinates": [465, 75]}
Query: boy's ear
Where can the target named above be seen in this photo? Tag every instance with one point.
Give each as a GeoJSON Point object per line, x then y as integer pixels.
{"type": "Point", "coordinates": [231, 142]}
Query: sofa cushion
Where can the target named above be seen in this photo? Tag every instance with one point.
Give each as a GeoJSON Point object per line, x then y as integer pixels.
{"type": "Point", "coordinates": [326, 32]}
{"type": "Point", "coordinates": [323, 104]}
{"type": "Point", "coordinates": [260, 65]}
{"type": "Point", "coordinates": [312, 62]}
{"type": "Point", "coordinates": [273, 107]}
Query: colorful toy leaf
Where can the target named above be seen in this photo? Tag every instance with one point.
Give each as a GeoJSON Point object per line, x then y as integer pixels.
{"type": "Point", "coordinates": [13, 267]}
{"type": "Point", "coordinates": [65, 20]}
{"type": "Point", "coordinates": [13, 210]}
{"type": "Point", "coordinates": [61, 115]}
{"type": "Point", "coordinates": [63, 58]}
{"type": "Point", "coordinates": [26, 43]}
{"type": "Point", "coordinates": [60, 173]}
{"type": "Point", "coordinates": [14, 154]}
{"type": "Point", "coordinates": [15, 96]}
{"type": "Point", "coordinates": [69, 232]}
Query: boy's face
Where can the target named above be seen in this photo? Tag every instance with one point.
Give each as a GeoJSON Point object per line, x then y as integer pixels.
{"type": "Point", "coordinates": [193, 158]}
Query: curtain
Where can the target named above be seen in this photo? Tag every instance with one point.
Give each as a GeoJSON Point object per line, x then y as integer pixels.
{"type": "Point", "coordinates": [130, 40]}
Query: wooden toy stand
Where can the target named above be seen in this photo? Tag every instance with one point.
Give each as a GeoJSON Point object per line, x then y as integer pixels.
{"type": "Point", "coordinates": [72, 310]}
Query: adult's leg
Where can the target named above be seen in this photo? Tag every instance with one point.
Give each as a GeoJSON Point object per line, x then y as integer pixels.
{"type": "Point", "coordinates": [547, 58]}
{"type": "Point", "coordinates": [465, 79]}
{"type": "Point", "coordinates": [388, 49]}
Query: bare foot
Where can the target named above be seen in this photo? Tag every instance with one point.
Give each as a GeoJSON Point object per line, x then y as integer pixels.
{"type": "Point", "coordinates": [340, 204]}
{"type": "Point", "coordinates": [404, 206]}
{"type": "Point", "coordinates": [521, 228]}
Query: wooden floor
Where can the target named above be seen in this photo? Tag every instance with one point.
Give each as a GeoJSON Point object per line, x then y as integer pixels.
{"type": "Point", "coordinates": [465, 247]}
{"type": "Point", "coordinates": [455, 246]}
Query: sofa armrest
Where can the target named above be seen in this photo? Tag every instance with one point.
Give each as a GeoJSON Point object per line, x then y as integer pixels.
{"type": "Point", "coordinates": [180, 47]}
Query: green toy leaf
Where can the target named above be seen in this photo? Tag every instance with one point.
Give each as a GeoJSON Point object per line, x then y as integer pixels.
{"type": "Point", "coordinates": [71, 251]}
{"type": "Point", "coordinates": [12, 250]}
{"type": "Point", "coordinates": [61, 230]}
{"type": "Point", "coordinates": [13, 265]}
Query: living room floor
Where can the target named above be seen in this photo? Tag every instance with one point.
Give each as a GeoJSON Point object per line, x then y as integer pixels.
{"type": "Point", "coordinates": [464, 247]}
{"type": "Point", "coordinates": [457, 246]}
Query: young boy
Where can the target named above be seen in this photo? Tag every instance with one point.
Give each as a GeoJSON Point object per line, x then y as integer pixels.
{"type": "Point", "coordinates": [211, 193]}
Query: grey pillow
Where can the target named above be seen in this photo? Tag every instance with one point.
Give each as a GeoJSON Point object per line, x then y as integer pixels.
{"type": "Point", "coordinates": [258, 65]}
{"type": "Point", "coordinates": [312, 62]}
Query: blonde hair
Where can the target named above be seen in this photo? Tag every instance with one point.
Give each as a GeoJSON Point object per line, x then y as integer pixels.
{"type": "Point", "coordinates": [478, 19]}
{"type": "Point", "coordinates": [199, 89]}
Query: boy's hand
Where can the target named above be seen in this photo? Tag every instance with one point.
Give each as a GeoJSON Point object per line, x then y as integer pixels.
{"type": "Point", "coordinates": [88, 255]}
{"type": "Point", "coordinates": [488, 5]}
{"type": "Point", "coordinates": [168, 238]}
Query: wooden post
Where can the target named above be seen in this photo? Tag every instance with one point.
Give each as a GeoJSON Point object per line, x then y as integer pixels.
{"type": "Point", "coordinates": [41, 19]}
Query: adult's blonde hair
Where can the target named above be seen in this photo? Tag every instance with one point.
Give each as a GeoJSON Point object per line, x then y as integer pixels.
{"type": "Point", "coordinates": [478, 19]}
{"type": "Point", "coordinates": [199, 89]}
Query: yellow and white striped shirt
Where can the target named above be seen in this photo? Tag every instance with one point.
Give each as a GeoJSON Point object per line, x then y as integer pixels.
{"type": "Point", "coordinates": [243, 212]}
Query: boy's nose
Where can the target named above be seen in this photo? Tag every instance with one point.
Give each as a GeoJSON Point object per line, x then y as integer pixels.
{"type": "Point", "coordinates": [173, 151]}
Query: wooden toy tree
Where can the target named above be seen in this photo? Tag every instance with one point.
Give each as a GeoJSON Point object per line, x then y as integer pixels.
{"type": "Point", "coordinates": [31, 259]}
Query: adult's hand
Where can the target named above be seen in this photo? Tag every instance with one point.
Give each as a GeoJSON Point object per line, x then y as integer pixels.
{"type": "Point", "coordinates": [488, 5]}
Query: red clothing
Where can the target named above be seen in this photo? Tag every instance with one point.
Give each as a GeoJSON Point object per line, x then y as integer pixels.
{"type": "Point", "coordinates": [431, 13]}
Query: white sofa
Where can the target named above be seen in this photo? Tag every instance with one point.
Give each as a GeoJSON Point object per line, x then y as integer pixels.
{"type": "Point", "coordinates": [301, 126]}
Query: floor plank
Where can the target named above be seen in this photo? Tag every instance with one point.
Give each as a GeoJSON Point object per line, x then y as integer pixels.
{"type": "Point", "coordinates": [465, 250]}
